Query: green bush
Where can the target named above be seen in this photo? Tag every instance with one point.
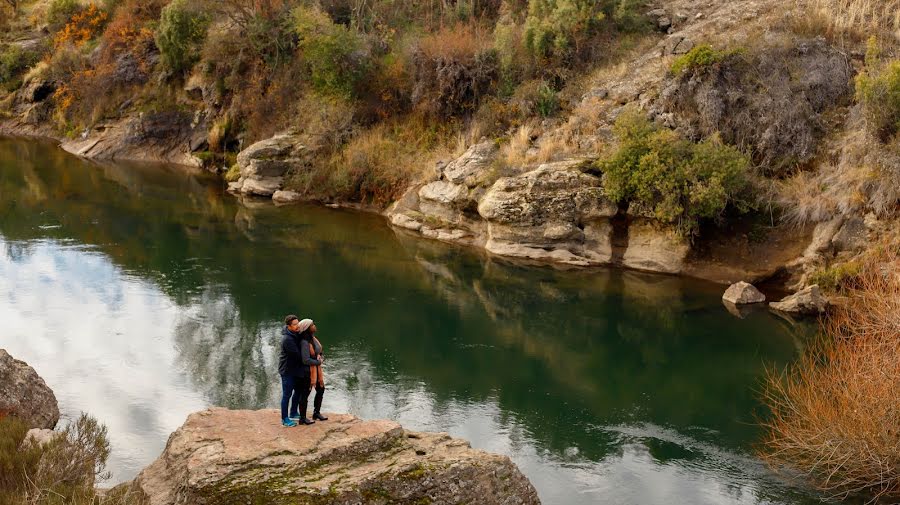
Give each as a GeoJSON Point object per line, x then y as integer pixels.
{"type": "Point", "coordinates": [836, 277]}
{"type": "Point", "coordinates": [60, 11]}
{"type": "Point", "coordinates": [699, 57]}
{"type": "Point", "coordinates": [554, 28]}
{"type": "Point", "coordinates": [180, 35]}
{"type": "Point", "coordinates": [878, 90]}
{"type": "Point", "coordinates": [233, 173]}
{"type": "Point", "coordinates": [62, 471]}
{"type": "Point", "coordinates": [678, 181]}
{"type": "Point", "coordinates": [13, 62]}
{"type": "Point", "coordinates": [547, 102]}
{"type": "Point", "coordinates": [335, 55]}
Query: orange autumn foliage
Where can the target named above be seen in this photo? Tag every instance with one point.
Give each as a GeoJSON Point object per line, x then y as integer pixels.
{"type": "Point", "coordinates": [82, 27]}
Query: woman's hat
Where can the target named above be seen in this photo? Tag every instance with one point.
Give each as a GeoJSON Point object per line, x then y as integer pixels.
{"type": "Point", "coordinates": [305, 324]}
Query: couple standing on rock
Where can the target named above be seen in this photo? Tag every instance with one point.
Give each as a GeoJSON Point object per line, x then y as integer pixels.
{"type": "Point", "coordinates": [300, 366]}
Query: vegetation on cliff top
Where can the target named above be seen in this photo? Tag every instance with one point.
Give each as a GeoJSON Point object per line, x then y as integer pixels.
{"type": "Point", "coordinates": [480, 67]}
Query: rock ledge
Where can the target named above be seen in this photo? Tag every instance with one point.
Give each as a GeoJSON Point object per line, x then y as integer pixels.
{"type": "Point", "coordinates": [238, 456]}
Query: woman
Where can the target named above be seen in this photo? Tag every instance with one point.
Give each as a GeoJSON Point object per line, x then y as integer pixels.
{"type": "Point", "coordinates": [316, 377]}
{"type": "Point", "coordinates": [311, 354]}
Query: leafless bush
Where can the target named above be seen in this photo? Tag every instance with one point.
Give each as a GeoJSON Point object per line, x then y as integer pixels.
{"type": "Point", "coordinates": [769, 101]}
{"type": "Point", "coordinates": [836, 412]}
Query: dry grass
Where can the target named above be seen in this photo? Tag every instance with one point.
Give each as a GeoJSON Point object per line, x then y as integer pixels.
{"type": "Point", "coordinates": [863, 177]}
{"type": "Point", "coordinates": [836, 412]}
{"type": "Point", "coordinates": [378, 164]}
{"type": "Point", "coordinates": [848, 21]}
{"type": "Point", "coordinates": [515, 152]}
{"type": "Point", "coordinates": [460, 42]}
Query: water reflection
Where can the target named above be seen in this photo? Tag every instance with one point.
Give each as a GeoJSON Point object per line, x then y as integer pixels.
{"type": "Point", "coordinates": [143, 293]}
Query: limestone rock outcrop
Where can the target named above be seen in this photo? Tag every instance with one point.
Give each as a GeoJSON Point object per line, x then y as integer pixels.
{"type": "Point", "coordinates": [264, 165]}
{"type": "Point", "coordinates": [229, 457]}
{"type": "Point", "coordinates": [554, 212]}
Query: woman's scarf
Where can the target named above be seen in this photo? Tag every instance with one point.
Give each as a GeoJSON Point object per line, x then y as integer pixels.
{"type": "Point", "coordinates": [316, 377]}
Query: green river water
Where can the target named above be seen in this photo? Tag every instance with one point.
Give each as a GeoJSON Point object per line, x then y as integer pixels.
{"type": "Point", "coordinates": [143, 293]}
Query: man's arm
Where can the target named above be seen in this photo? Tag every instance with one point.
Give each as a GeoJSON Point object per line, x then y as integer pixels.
{"type": "Point", "coordinates": [290, 348]}
{"type": "Point", "coordinates": [307, 359]}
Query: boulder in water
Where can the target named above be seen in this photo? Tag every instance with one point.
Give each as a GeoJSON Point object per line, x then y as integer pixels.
{"type": "Point", "coordinates": [742, 292]}
{"type": "Point", "coordinates": [808, 301]}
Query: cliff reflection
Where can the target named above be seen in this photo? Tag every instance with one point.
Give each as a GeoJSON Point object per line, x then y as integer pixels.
{"type": "Point", "coordinates": [186, 292]}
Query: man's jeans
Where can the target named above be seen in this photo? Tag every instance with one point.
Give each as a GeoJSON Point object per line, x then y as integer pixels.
{"type": "Point", "coordinates": [294, 391]}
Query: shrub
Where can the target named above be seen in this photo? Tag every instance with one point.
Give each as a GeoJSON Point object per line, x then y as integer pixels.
{"type": "Point", "coordinates": [554, 28]}
{"type": "Point", "coordinates": [755, 100]}
{"type": "Point", "coordinates": [547, 102]}
{"type": "Point", "coordinates": [335, 55]}
{"type": "Point", "coordinates": [676, 180]}
{"type": "Point", "coordinates": [455, 68]}
{"type": "Point", "coordinates": [700, 56]}
{"type": "Point", "coordinates": [836, 277]}
{"type": "Point", "coordinates": [64, 470]}
{"type": "Point", "coordinates": [878, 90]}
{"type": "Point", "coordinates": [83, 26]}
{"type": "Point", "coordinates": [180, 35]}
{"type": "Point", "coordinates": [233, 173]}
{"type": "Point", "coordinates": [60, 11]}
{"type": "Point", "coordinates": [13, 62]}
{"type": "Point", "coordinates": [835, 412]}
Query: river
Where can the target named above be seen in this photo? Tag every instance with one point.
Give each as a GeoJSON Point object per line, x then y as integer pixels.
{"type": "Point", "coordinates": [143, 293]}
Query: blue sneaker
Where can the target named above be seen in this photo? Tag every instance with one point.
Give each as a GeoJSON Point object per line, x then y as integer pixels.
{"type": "Point", "coordinates": [288, 422]}
{"type": "Point", "coordinates": [296, 418]}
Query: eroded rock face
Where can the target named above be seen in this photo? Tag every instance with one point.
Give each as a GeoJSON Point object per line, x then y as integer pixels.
{"type": "Point", "coordinates": [741, 293]}
{"type": "Point", "coordinates": [24, 394]}
{"type": "Point", "coordinates": [808, 301]}
{"type": "Point", "coordinates": [264, 164]}
{"type": "Point", "coordinates": [555, 212]}
{"type": "Point", "coordinates": [655, 247]}
{"type": "Point", "coordinates": [234, 457]}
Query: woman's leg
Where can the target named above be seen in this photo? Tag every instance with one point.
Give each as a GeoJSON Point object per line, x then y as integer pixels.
{"type": "Point", "coordinates": [317, 403]}
{"type": "Point", "coordinates": [287, 388]}
{"type": "Point", "coordinates": [301, 396]}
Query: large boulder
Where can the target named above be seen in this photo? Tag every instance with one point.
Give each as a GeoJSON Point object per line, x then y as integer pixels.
{"type": "Point", "coordinates": [469, 168]}
{"type": "Point", "coordinates": [264, 165]}
{"type": "Point", "coordinates": [554, 212]}
{"type": "Point", "coordinates": [24, 394]}
{"type": "Point", "coordinates": [226, 457]}
{"type": "Point", "coordinates": [655, 247]}
{"type": "Point", "coordinates": [808, 301]}
{"type": "Point", "coordinates": [742, 292]}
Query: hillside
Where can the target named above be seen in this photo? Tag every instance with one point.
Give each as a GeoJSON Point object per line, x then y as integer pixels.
{"type": "Point", "coordinates": [727, 139]}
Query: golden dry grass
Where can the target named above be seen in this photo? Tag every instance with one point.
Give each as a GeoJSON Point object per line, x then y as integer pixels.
{"type": "Point", "coordinates": [849, 21]}
{"type": "Point", "coordinates": [836, 412]}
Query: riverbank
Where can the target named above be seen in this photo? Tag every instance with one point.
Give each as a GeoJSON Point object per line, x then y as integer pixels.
{"type": "Point", "coordinates": [629, 241]}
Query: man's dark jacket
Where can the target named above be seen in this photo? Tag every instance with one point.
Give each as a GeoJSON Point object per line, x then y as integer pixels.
{"type": "Point", "coordinates": [290, 363]}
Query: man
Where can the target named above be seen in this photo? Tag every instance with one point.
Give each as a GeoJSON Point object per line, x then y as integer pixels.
{"type": "Point", "coordinates": [295, 375]}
